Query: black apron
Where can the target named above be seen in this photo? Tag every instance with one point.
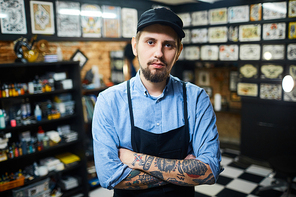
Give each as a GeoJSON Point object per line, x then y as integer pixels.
{"type": "Point", "coordinates": [172, 144]}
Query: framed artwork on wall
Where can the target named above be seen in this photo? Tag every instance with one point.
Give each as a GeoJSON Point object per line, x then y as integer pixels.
{"type": "Point", "coordinates": [292, 30]}
{"type": "Point", "coordinates": [273, 52]}
{"type": "Point", "coordinates": [199, 35]}
{"type": "Point", "coordinates": [186, 19]}
{"type": "Point", "coordinates": [111, 21]}
{"type": "Point", "coordinates": [79, 56]}
{"type": "Point", "coordinates": [271, 71]}
{"type": "Point", "coordinates": [218, 16]}
{"type": "Point", "coordinates": [273, 31]}
{"type": "Point", "coordinates": [129, 20]}
{"type": "Point", "coordinates": [247, 89]}
{"type": "Point", "coordinates": [255, 12]}
{"type": "Point", "coordinates": [233, 33]}
{"type": "Point", "coordinates": [274, 10]}
{"type": "Point", "coordinates": [291, 51]}
{"type": "Point", "coordinates": [228, 52]}
{"type": "Point", "coordinates": [237, 14]}
{"type": "Point", "coordinates": [217, 34]}
{"type": "Point", "coordinates": [270, 91]}
{"type": "Point", "coordinates": [248, 71]}
{"type": "Point", "coordinates": [292, 8]}
{"type": "Point", "coordinates": [249, 52]}
{"type": "Point", "coordinates": [42, 18]}
{"type": "Point", "coordinates": [91, 20]}
{"type": "Point", "coordinates": [15, 20]}
{"type": "Point", "coordinates": [187, 38]}
{"type": "Point", "coordinates": [209, 52]}
{"type": "Point", "coordinates": [191, 53]}
{"type": "Point", "coordinates": [199, 18]}
{"type": "Point", "coordinates": [249, 32]}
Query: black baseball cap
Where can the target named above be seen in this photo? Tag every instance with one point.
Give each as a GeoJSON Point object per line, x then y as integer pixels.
{"type": "Point", "coordinates": [163, 16]}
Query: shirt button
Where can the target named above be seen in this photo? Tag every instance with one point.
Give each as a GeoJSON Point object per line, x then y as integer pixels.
{"type": "Point", "coordinates": [157, 124]}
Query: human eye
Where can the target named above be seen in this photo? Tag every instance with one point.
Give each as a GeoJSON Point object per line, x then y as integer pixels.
{"type": "Point", "coordinates": [170, 45]}
{"type": "Point", "coordinates": [150, 42]}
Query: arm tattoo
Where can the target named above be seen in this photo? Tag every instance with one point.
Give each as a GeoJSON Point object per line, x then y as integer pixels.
{"type": "Point", "coordinates": [194, 168]}
{"type": "Point", "coordinates": [148, 162]}
{"type": "Point", "coordinates": [209, 180]}
{"type": "Point", "coordinates": [165, 165]}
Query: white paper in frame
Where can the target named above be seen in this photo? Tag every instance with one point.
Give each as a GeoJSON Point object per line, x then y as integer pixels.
{"type": "Point", "coordinates": [228, 52]}
{"type": "Point", "coordinates": [199, 35]}
{"type": "Point", "coordinates": [199, 18]}
{"type": "Point", "coordinates": [129, 22]}
{"type": "Point", "coordinates": [247, 89]}
{"type": "Point", "coordinates": [237, 14]}
{"type": "Point", "coordinates": [273, 31]}
{"type": "Point", "coordinates": [271, 91]}
{"type": "Point", "coordinates": [274, 10]}
{"type": "Point", "coordinates": [209, 52]}
{"type": "Point", "coordinates": [218, 16]}
{"type": "Point", "coordinates": [217, 34]}
{"type": "Point", "coordinates": [249, 52]}
{"type": "Point", "coordinates": [191, 53]}
{"type": "Point", "coordinates": [249, 32]}
{"type": "Point", "coordinates": [273, 52]}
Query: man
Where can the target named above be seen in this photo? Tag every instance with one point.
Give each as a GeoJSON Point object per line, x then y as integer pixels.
{"type": "Point", "coordinates": [155, 135]}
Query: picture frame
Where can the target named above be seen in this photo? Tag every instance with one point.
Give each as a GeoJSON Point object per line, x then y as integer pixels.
{"type": "Point", "coordinates": [292, 31]}
{"type": "Point", "coordinates": [292, 8]}
{"type": "Point", "coordinates": [274, 10]}
{"type": "Point", "coordinates": [217, 34]}
{"type": "Point", "coordinates": [94, 29]}
{"type": "Point", "coordinates": [191, 53]}
{"type": "Point", "coordinates": [111, 25]}
{"type": "Point", "coordinates": [186, 19]}
{"type": "Point", "coordinates": [209, 52]}
{"type": "Point", "coordinates": [129, 22]}
{"type": "Point", "coordinates": [248, 71]}
{"type": "Point", "coordinates": [79, 56]}
{"type": "Point", "coordinates": [271, 71]}
{"type": "Point", "coordinates": [291, 51]}
{"type": "Point", "coordinates": [199, 35]}
{"type": "Point", "coordinates": [255, 12]}
{"type": "Point", "coordinates": [270, 91]}
{"type": "Point", "coordinates": [249, 51]}
{"type": "Point", "coordinates": [237, 14]}
{"type": "Point", "coordinates": [250, 32]}
{"type": "Point", "coordinates": [228, 52]}
{"type": "Point", "coordinates": [199, 18]}
{"type": "Point", "coordinates": [218, 16]}
{"type": "Point", "coordinates": [233, 33]}
{"type": "Point", "coordinates": [187, 38]}
{"type": "Point", "coordinates": [247, 89]}
{"type": "Point", "coordinates": [273, 52]}
{"type": "Point", "coordinates": [274, 31]}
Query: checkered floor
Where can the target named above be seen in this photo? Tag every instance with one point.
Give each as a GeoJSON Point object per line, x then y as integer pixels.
{"type": "Point", "coordinates": [239, 179]}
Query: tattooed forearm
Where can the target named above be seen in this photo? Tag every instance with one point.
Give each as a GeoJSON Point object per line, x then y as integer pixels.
{"type": "Point", "coordinates": [194, 168]}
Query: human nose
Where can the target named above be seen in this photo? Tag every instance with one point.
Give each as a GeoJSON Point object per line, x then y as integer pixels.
{"type": "Point", "coordinates": [158, 51]}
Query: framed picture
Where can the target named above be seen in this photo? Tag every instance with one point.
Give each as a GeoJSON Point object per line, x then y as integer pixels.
{"type": "Point", "coordinates": [199, 18]}
{"type": "Point", "coordinates": [233, 79]}
{"type": "Point", "coordinates": [255, 12]}
{"type": "Point", "coordinates": [274, 10]}
{"type": "Point", "coordinates": [290, 96]}
{"type": "Point", "coordinates": [15, 22]}
{"type": "Point", "coordinates": [237, 14]}
{"type": "Point", "coordinates": [292, 8]}
{"type": "Point", "coordinates": [217, 34]}
{"type": "Point", "coordinates": [247, 89]}
{"type": "Point", "coordinates": [273, 52]}
{"type": "Point", "coordinates": [209, 52]}
{"type": "Point", "coordinates": [273, 31]}
{"type": "Point", "coordinates": [199, 35]}
{"type": "Point", "coordinates": [291, 51]}
{"type": "Point", "coordinates": [209, 90]}
{"type": "Point", "coordinates": [191, 53]}
{"type": "Point", "coordinates": [79, 56]}
{"type": "Point", "coordinates": [271, 91]}
{"type": "Point", "coordinates": [91, 20]}
{"type": "Point", "coordinates": [250, 32]}
{"type": "Point", "coordinates": [42, 18]}
{"type": "Point", "coordinates": [186, 19]}
{"type": "Point", "coordinates": [203, 78]}
{"type": "Point", "coordinates": [233, 33]}
{"type": "Point", "coordinates": [248, 71]}
{"type": "Point", "coordinates": [187, 38]}
{"type": "Point", "coordinates": [228, 52]}
{"type": "Point", "coordinates": [218, 16]}
{"type": "Point", "coordinates": [249, 52]}
{"type": "Point", "coordinates": [111, 21]}
{"type": "Point", "coordinates": [129, 20]}
{"type": "Point", "coordinates": [292, 71]}
{"type": "Point", "coordinates": [271, 71]}
{"type": "Point", "coordinates": [292, 31]}
{"type": "Point", "coordinates": [68, 19]}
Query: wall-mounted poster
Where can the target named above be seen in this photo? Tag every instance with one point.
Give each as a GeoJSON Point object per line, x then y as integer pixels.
{"type": "Point", "coordinates": [186, 18]}
{"type": "Point", "coordinates": [68, 19]}
{"type": "Point", "coordinates": [191, 53]}
{"type": "Point", "coordinates": [290, 96]}
{"type": "Point", "coordinates": [218, 16]}
{"type": "Point", "coordinates": [199, 35]}
{"type": "Point", "coordinates": [273, 52]}
{"type": "Point", "coordinates": [111, 21]}
{"type": "Point", "coordinates": [292, 31]}
{"type": "Point", "coordinates": [249, 52]}
{"type": "Point", "coordinates": [203, 78]}
{"type": "Point", "coordinates": [292, 71]}
{"type": "Point", "coordinates": [187, 38]}
{"type": "Point", "coordinates": [15, 20]}
{"type": "Point", "coordinates": [209, 52]}
{"type": "Point", "coordinates": [271, 71]}
{"type": "Point", "coordinates": [248, 71]}
{"type": "Point", "coordinates": [273, 31]}
{"type": "Point", "coordinates": [218, 34]}
{"type": "Point", "coordinates": [228, 52]}
{"type": "Point", "coordinates": [247, 89]}
{"type": "Point", "coordinates": [91, 20]}
{"type": "Point", "coordinates": [255, 12]}
{"type": "Point", "coordinates": [42, 18]}
{"type": "Point", "coordinates": [292, 8]}
{"type": "Point", "coordinates": [199, 18]}
{"type": "Point", "coordinates": [249, 32]}
{"type": "Point", "coordinates": [129, 20]}
{"type": "Point", "coordinates": [291, 51]}
{"type": "Point", "coordinates": [233, 33]}
{"type": "Point", "coordinates": [274, 10]}
{"type": "Point", "coordinates": [270, 91]}
{"type": "Point", "coordinates": [237, 14]}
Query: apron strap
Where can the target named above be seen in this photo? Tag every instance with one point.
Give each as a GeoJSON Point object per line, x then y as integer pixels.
{"type": "Point", "coordinates": [185, 105]}
{"type": "Point", "coordinates": [130, 104]}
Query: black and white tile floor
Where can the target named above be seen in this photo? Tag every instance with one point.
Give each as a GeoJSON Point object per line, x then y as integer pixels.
{"type": "Point", "coordinates": [239, 179]}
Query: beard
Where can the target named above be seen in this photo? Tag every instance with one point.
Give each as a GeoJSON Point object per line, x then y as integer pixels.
{"type": "Point", "coordinates": [158, 76]}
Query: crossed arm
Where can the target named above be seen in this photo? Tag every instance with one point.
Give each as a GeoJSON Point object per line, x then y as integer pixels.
{"type": "Point", "coordinates": [150, 171]}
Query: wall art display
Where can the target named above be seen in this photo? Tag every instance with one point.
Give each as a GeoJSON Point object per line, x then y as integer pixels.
{"type": "Point", "coordinates": [291, 51]}
{"type": "Point", "coordinates": [273, 52]}
{"type": "Point", "coordinates": [233, 33]}
{"type": "Point", "coordinates": [255, 12]}
{"type": "Point", "coordinates": [249, 71]}
{"type": "Point", "coordinates": [290, 96]}
{"type": "Point", "coordinates": [233, 79]}
{"type": "Point", "coordinates": [218, 16]}
{"type": "Point", "coordinates": [91, 20]}
{"type": "Point", "coordinates": [270, 91]}
{"type": "Point", "coordinates": [209, 52]}
{"type": "Point", "coordinates": [191, 53]}
{"type": "Point", "coordinates": [68, 19]}
{"type": "Point", "coordinates": [292, 8]}
{"type": "Point", "coordinates": [247, 89]}
{"type": "Point", "coordinates": [292, 31]}
{"type": "Point", "coordinates": [129, 20]}
{"type": "Point", "coordinates": [199, 35]}
{"type": "Point", "coordinates": [111, 21]}
{"type": "Point", "coordinates": [237, 14]}
{"type": "Point", "coordinates": [273, 31]}
{"type": "Point", "coordinates": [79, 56]}
{"type": "Point", "coordinates": [15, 20]}
{"type": "Point", "coordinates": [271, 71]}
{"type": "Point", "coordinates": [186, 18]}
{"type": "Point", "coordinates": [292, 71]}
{"type": "Point", "coordinates": [228, 52]}
{"type": "Point", "coordinates": [199, 18]}
{"type": "Point", "coordinates": [203, 78]}
{"type": "Point", "coordinates": [249, 52]}
{"type": "Point", "coordinates": [218, 34]}
{"type": "Point", "coordinates": [182, 55]}
{"type": "Point", "coordinates": [187, 38]}
{"type": "Point", "coordinates": [274, 10]}
{"type": "Point", "coordinates": [42, 18]}
{"type": "Point", "coordinates": [250, 32]}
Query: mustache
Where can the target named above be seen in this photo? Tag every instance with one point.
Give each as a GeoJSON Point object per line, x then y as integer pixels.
{"type": "Point", "coordinates": [157, 60]}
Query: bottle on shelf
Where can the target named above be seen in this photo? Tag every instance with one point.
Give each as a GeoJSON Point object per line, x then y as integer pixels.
{"type": "Point", "coordinates": [38, 113]}
{"type": "Point", "coordinates": [2, 120]}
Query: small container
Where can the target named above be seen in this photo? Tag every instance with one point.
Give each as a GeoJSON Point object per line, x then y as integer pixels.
{"type": "Point", "coordinates": [38, 113]}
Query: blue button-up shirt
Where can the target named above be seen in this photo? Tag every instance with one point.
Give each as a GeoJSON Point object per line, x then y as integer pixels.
{"type": "Point", "coordinates": [111, 125]}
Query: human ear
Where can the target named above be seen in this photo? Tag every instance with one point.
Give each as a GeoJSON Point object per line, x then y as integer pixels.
{"type": "Point", "coordinates": [134, 46]}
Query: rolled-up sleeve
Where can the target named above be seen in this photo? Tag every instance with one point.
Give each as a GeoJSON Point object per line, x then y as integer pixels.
{"type": "Point", "coordinates": [110, 169]}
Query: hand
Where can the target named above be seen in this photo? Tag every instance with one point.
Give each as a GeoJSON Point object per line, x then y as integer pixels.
{"type": "Point", "coordinates": [126, 156]}
{"type": "Point", "coordinates": [190, 156]}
